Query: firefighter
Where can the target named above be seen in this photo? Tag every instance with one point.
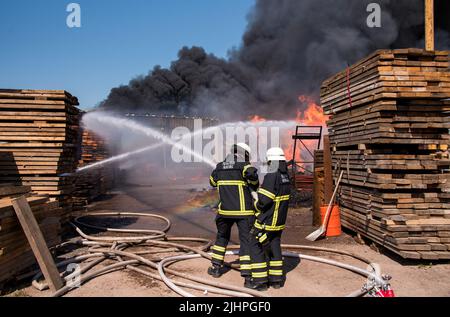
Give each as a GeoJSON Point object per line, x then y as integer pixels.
{"type": "Point", "coordinates": [235, 178]}
{"type": "Point", "coordinates": [271, 212]}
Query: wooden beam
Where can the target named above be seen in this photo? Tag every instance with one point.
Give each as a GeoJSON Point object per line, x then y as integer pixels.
{"type": "Point", "coordinates": [317, 197]}
{"type": "Point", "coordinates": [429, 25]}
{"type": "Point", "coordinates": [327, 166]}
{"type": "Point", "coordinates": [37, 243]}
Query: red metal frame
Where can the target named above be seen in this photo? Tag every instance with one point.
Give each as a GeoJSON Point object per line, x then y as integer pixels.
{"type": "Point", "coordinates": [304, 180]}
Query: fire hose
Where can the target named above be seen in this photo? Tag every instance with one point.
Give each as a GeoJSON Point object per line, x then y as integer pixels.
{"type": "Point", "coordinates": [157, 247]}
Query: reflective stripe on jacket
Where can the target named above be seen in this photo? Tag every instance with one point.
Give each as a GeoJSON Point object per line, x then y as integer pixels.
{"type": "Point", "coordinates": [234, 180]}
{"type": "Point", "coordinates": [273, 199]}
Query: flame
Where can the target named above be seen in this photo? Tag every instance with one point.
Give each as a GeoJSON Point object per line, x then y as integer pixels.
{"type": "Point", "coordinates": [312, 116]}
{"type": "Point", "coordinates": [197, 178]}
{"type": "Point", "coordinates": [257, 118]}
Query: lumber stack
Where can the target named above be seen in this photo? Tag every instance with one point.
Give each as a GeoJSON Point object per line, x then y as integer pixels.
{"type": "Point", "coordinates": [93, 148]}
{"type": "Point", "coordinates": [318, 187]}
{"type": "Point", "coordinates": [15, 252]}
{"type": "Point", "coordinates": [92, 183]}
{"type": "Point", "coordinates": [389, 130]}
{"type": "Point", "coordinates": [39, 142]}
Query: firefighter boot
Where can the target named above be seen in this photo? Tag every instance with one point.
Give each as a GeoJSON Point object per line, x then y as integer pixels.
{"type": "Point", "coordinates": [215, 271]}
{"type": "Point", "coordinates": [277, 285]}
{"type": "Point", "coordinates": [248, 282]}
{"type": "Point", "coordinates": [260, 287]}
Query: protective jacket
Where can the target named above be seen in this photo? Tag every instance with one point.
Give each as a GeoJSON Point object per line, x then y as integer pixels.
{"type": "Point", "coordinates": [234, 180]}
{"type": "Point", "coordinates": [273, 199]}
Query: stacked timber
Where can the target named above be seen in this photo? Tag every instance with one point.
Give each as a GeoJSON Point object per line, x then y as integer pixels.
{"type": "Point", "coordinates": [93, 148]}
{"type": "Point", "coordinates": [39, 142]}
{"type": "Point", "coordinates": [92, 183]}
{"type": "Point", "coordinates": [15, 251]}
{"type": "Point", "coordinates": [318, 186]}
{"type": "Point", "coordinates": [389, 131]}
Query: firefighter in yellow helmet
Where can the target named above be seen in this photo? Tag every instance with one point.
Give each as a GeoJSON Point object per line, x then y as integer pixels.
{"type": "Point", "coordinates": [271, 213]}
{"type": "Point", "coordinates": [235, 178]}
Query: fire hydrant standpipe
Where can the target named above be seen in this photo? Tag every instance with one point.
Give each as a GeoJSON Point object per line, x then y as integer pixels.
{"type": "Point", "coordinates": [116, 248]}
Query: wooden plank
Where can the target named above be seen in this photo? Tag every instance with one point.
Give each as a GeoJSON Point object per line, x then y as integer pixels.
{"type": "Point", "coordinates": [37, 243]}
{"type": "Point", "coordinates": [327, 165]}
{"type": "Point", "coordinates": [429, 25]}
{"type": "Point", "coordinates": [395, 137]}
{"type": "Point", "coordinates": [318, 190]}
{"type": "Point", "coordinates": [13, 190]}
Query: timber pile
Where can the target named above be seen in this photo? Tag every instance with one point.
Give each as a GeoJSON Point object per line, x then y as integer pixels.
{"type": "Point", "coordinates": [391, 136]}
{"type": "Point", "coordinates": [38, 142]}
{"type": "Point", "coordinates": [96, 182]}
{"type": "Point", "coordinates": [15, 251]}
{"type": "Point", "coordinates": [318, 187]}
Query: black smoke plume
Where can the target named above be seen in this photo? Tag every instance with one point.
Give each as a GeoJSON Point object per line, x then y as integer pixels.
{"type": "Point", "coordinates": [288, 49]}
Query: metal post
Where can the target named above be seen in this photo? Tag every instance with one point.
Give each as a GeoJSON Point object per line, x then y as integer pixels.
{"type": "Point", "coordinates": [294, 163]}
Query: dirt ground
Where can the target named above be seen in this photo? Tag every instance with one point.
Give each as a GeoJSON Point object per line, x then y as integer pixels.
{"type": "Point", "coordinates": [188, 207]}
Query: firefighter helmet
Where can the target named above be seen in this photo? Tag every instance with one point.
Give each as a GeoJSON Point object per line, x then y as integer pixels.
{"type": "Point", "coordinates": [241, 147]}
{"type": "Point", "coordinates": [242, 150]}
{"type": "Point", "coordinates": [275, 154]}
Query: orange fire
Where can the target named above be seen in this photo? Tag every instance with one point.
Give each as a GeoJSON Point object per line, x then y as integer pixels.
{"type": "Point", "coordinates": [256, 119]}
{"type": "Point", "coordinates": [312, 116]}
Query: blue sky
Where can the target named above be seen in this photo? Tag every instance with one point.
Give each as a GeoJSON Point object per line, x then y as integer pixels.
{"type": "Point", "coordinates": [118, 40]}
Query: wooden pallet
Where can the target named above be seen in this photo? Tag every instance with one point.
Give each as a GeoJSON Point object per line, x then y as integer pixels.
{"type": "Point", "coordinates": [91, 184]}
{"type": "Point", "coordinates": [39, 141]}
{"type": "Point", "coordinates": [392, 121]}
{"type": "Point", "coordinates": [318, 186]}
{"type": "Point", "coordinates": [394, 74]}
{"type": "Point", "coordinates": [391, 137]}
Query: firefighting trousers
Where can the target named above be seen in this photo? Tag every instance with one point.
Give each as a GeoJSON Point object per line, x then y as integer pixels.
{"type": "Point", "coordinates": [267, 260]}
{"type": "Point", "coordinates": [219, 249]}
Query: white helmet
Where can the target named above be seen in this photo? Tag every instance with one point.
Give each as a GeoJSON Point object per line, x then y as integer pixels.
{"type": "Point", "coordinates": [242, 146]}
{"type": "Point", "coordinates": [275, 154]}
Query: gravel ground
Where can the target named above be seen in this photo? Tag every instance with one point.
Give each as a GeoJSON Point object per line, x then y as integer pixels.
{"type": "Point", "coordinates": [188, 207]}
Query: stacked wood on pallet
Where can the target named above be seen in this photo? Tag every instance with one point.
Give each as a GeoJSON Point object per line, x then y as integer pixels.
{"type": "Point", "coordinates": [39, 142]}
{"type": "Point", "coordinates": [318, 187]}
{"type": "Point", "coordinates": [15, 252]}
{"type": "Point", "coordinates": [93, 183]}
{"type": "Point", "coordinates": [389, 130]}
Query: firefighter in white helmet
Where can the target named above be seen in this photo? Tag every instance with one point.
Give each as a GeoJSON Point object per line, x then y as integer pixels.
{"type": "Point", "coordinates": [271, 214]}
{"type": "Point", "coordinates": [235, 178]}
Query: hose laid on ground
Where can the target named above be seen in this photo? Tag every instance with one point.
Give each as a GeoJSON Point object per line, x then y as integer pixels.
{"type": "Point", "coordinates": [43, 286]}
{"type": "Point", "coordinates": [90, 276]}
{"type": "Point", "coordinates": [126, 214]}
{"type": "Point", "coordinates": [155, 242]}
{"type": "Point", "coordinates": [162, 264]}
{"type": "Point", "coordinates": [154, 234]}
{"type": "Point", "coordinates": [179, 274]}
{"type": "Point", "coordinates": [318, 249]}
{"type": "Point", "coordinates": [202, 288]}
{"type": "Point", "coordinates": [95, 242]}
{"type": "Point", "coordinates": [101, 248]}
{"type": "Point", "coordinates": [167, 280]}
